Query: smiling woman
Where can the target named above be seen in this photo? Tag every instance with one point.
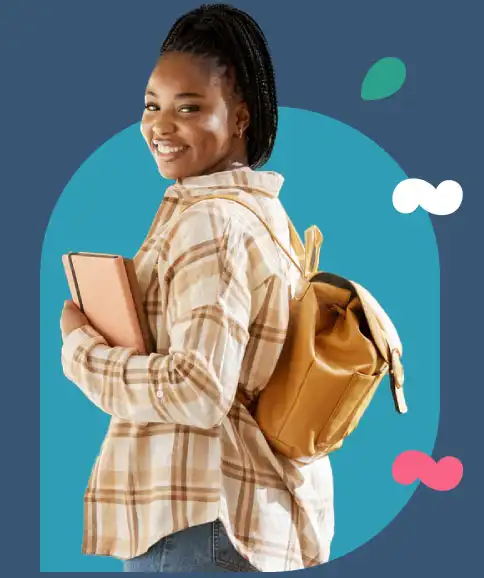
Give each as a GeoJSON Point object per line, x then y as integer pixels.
{"type": "Point", "coordinates": [192, 121]}
{"type": "Point", "coordinates": [185, 479]}
{"type": "Point", "coordinates": [201, 113]}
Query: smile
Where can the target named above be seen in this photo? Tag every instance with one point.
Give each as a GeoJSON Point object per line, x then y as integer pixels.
{"type": "Point", "coordinates": [168, 152]}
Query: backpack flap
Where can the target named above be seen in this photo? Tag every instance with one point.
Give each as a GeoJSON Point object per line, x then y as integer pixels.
{"type": "Point", "coordinates": [388, 342]}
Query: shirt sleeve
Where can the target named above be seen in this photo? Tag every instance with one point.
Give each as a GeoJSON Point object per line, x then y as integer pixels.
{"type": "Point", "coordinates": [204, 272]}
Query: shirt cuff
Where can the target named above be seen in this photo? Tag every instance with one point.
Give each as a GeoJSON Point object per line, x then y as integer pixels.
{"type": "Point", "coordinates": [82, 338]}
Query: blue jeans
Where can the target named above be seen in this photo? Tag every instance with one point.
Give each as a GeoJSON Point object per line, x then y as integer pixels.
{"type": "Point", "coordinates": [204, 548]}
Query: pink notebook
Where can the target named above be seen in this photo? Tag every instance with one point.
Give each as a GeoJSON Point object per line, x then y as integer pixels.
{"type": "Point", "coordinates": [106, 289]}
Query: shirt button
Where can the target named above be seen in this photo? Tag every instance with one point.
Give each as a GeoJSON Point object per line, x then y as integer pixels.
{"type": "Point", "coordinates": [159, 394]}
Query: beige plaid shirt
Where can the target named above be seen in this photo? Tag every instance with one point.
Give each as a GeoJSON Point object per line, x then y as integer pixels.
{"type": "Point", "coordinates": [181, 450]}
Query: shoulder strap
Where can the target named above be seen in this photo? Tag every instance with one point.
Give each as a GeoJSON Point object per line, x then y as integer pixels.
{"type": "Point", "coordinates": [293, 233]}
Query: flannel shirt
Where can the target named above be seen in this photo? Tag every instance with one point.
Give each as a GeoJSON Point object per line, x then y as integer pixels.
{"type": "Point", "coordinates": [180, 449]}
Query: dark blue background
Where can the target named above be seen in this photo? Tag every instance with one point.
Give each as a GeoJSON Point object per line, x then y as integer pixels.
{"type": "Point", "coordinates": [73, 75]}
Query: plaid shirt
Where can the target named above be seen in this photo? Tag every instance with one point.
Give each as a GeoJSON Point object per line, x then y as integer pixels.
{"type": "Point", "coordinates": [181, 450]}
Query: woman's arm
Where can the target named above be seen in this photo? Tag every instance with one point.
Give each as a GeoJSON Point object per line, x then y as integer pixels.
{"type": "Point", "coordinates": [207, 292]}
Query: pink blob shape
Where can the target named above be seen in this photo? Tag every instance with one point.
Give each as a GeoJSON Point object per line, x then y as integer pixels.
{"type": "Point", "coordinates": [442, 476]}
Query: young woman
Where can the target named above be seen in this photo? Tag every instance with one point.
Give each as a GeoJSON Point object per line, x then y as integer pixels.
{"type": "Point", "coordinates": [185, 480]}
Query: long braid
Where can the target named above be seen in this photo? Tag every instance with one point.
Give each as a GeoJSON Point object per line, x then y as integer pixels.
{"type": "Point", "coordinates": [234, 38]}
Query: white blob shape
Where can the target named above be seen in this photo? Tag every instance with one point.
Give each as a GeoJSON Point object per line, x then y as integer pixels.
{"type": "Point", "coordinates": [444, 200]}
{"type": "Point", "coordinates": [412, 193]}
{"type": "Point", "coordinates": [406, 196]}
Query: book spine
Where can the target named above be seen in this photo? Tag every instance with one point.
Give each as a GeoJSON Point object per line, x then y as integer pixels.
{"type": "Point", "coordinates": [75, 282]}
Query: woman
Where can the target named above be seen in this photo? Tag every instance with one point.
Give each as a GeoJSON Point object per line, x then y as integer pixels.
{"type": "Point", "coordinates": [185, 479]}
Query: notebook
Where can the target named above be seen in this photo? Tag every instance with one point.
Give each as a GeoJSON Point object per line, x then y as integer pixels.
{"type": "Point", "coordinates": [105, 288]}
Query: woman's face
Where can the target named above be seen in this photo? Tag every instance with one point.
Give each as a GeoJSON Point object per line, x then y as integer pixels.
{"type": "Point", "coordinates": [192, 117]}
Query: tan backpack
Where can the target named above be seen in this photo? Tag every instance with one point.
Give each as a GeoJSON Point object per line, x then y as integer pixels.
{"type": "Point", "coordinates": [340, 344]}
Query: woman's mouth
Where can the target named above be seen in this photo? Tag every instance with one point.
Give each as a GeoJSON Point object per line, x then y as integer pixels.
{"type": "Point", "coordinates": [167, 152]}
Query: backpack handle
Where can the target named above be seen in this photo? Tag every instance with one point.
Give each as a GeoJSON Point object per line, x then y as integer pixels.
{"type": "Point", "coordinates": [307, 254]}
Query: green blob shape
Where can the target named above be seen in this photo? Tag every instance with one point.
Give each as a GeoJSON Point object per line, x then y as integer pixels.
{"type": "Point", "coordinates": [384, 79]}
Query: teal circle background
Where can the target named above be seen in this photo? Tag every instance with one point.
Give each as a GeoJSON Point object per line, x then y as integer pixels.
{"type": "Point", "coordinates": [335, 177]}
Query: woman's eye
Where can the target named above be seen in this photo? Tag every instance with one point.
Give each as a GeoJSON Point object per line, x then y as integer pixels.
{"type": "Point", "coordinates": [189, 108]}
{"type": "Point", "coordinates": [184, 109]}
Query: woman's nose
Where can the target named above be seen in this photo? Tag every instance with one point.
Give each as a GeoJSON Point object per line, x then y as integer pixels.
{"type": "Point", "coordinates": [164, 125]}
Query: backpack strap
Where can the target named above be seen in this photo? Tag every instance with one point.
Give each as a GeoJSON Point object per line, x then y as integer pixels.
{"type": "Point", "coordinates": [295, 242]}
{"type": "Point", "coordinates": [298, 248]}
{"type": "Point", "coordinates": [307, 254]}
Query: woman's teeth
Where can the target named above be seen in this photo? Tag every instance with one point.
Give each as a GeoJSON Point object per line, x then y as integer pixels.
{"type": "Point", "coordinates": [165, 150]}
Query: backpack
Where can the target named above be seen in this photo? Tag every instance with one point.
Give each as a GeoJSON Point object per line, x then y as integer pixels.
{"type": "Point", "coordinates": [340, 344]}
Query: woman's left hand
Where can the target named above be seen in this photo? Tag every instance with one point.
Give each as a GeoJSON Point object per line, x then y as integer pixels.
{"type": "Point", "coordinates": [72, 318]}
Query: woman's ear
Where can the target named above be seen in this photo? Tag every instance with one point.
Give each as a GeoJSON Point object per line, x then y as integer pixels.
{"type": "Point", "coordinates": [242, 118]}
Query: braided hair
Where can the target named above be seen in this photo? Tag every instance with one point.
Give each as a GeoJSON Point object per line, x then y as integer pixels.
{"type": "Point", "coordinates": [235, 40]}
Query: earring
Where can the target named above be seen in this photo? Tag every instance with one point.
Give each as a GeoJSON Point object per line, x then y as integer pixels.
{"type": "Point", "coordinates": [241, 132]}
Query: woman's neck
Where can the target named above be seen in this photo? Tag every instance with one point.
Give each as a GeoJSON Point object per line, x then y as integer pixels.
{"type": "Point", "coordinates": [235, 161]}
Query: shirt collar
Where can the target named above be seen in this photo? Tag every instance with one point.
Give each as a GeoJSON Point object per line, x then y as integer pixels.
{"type": "Point", "coordinates": [267, 183]}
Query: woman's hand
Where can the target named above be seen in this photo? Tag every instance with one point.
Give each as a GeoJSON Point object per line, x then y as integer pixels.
{"type": "Point", "coordinates": [72, 318]}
